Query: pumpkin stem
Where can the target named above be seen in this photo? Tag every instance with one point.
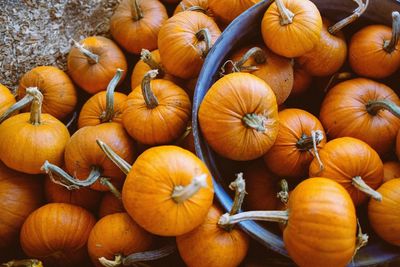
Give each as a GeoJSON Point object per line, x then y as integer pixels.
{"type": "Point", "coordinates": [147, 58]}
{"type": "Point", "coordinates": [390, 45]}
{"type": "Point", "coordinates": [23, 102]}
{"type": "Point", "coordinates": [259, 57]}
{"type": "Point", "coordinates": [106, 182]}
{"type": "Point", "coordinates": [204, 35]}
{"type": "Point", "coordinates": [184, 135]}
{"type": "Point", "coordinates": [108, 114]}
{"type": "Point", "coordinates": [362, 239]}
{"type": "Point", "coordinates": [374, 106]}
{"type": "Point", "coordinates": [286, 16]}
{"type": "Point", "coordinates": [151, 255]}
{"type": "Point", "coordinates": [92, 58]}
{"type": "Point", "coordinates": [350, 19]}
{"type": "Point", "coordinates": [193, 8]}
{"type": "Point", "coordinates": [36, 106]}
{"type": "Point", "coordinates": [124, 166]}
{"type": "Point", "coordinates": [66, 180]}
{"type": "Point", "coordinates": [306, 143]}
{"type": "Point", "coordinates": [72, 120]}
{"type": "Point", "coordinates": [337, 77]}
{"type": "Point", "coordinates": [359, 183]}
{"type": "Point", "coordinates": [183, 193]}
{"type": "Point", "coordinates": [255, 121]}
{"type": "Point", "coordinates": [23, 263]}
{"type": "Point", "coordinates": [317, 137]}
{"type": "Point", "coordinates": [137, 13]}
{"type": "Point", "coordinates": [148, 95]}
{"type": "Point", "coordinates": [283, 195]}
{"type": "Point", "coordinates": [259, 215]}
{"type": "Point", "coordinates": [109, 263]}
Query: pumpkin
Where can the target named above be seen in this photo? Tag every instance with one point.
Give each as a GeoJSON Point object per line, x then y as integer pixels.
{"type": "Point", "coordinates": [227, 10]}
{"type": "Point", "coordinates": [7, 99]}
{"type": "Point", "coordinates": [20, 194]}
{"type": "Point", "coordinates": [238, 117]}
{"type": "Point", "coordinates": [315, 234]}
{"type": "Point", "coordinates": [116, 235]}
{"type": "Point", "coordinates": [384, 216]}
{"type": "Point", "coordinates": [275, 70]}
{"type": "Point", "coordinates": [57, 233]}
{"type": "Point", "coordinates": [391, 170]}
{"type": "Point", "coordinates": [93, 62]}
{"type": "Point", "coordinates": [194, 5]}
{"type": "Point", "coordinates": [374, 51]}
{"type": "Point", "coordinates": [156, 112]}
{"type": "Point", "coordinates": [353, 164]}
{"type": "Point", "coordinates": [150, 61]}
{"type": "Point", "coordinates": [184, 42]}
{"type": "Point", "coordinates": [60, 97]}
{"type": "Point", "coordinates": [360, 108]}
{"type": "Point", "coordinates": [301, 79]}
{"type": "Point", "coordinates": [136, 23]}
{"type": "Point", "coordinates": [40, 137]}
{"type": "Point", "coordinates": [105, 106]}
{"type": "Point", "coordinates": [294, 22]}
{"type": "Point", "coordinates": [110, 204]}
{"type": "Point", "coordinates": [299, 138]}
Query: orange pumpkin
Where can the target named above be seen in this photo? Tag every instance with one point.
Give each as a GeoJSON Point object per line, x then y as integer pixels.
{"type": "Point", "coordinates": [156, 112]}
{"type": "Point", "coordinates": [116, 235]}
{"type": "Point", "coordinates": [184, 42]}
{"type": "Point", "coordinates": [40, 137]}
{"type": "Point", "coordinates": [56, 234]}
{"type": "Point", "coordinates": [194, 5]}
{"type": "Point", "coordinates": [93, 62]}
{"type": "Point", "coordinates": [391, 170]}
{"type": "Point", "coordinates": [300, 136]}
{"type": "Point", "coordinates": [20, 194]}
{"type": "Point", "coordinates": [227, 10]}
{"type": "Point", "coordinates": [239, 117]}
{"type": "Point", "coordinates": [353, 164]}
{"type": "Point", "coordinates": [110, 204]}
{"type": "Point", "coordinates": [301, 79]}
{"type": "Point", "coordinates": [360, 108]}
{"type": "Point", "coordinates": [374, 51]}
{"type": "Point", "coordinates": [7, 99]}
{"type": "Point", "coordinates": [136, 23]}
{"type": "Point", "coordinates": [105, 106]}
{"type": "Point", "coordinates": [294, 22]}
{"type": "Point", "coordinates": [59, 92]}
{"type": "Point", "coordinates": [275, 70]}
{"type": "Point", "coordinates": [384, 216]}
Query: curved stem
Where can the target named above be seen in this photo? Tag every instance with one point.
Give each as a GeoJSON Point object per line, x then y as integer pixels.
{"type": "Point", "coordinates": [147, 58]}
{"type": "Point", "coordinates": [317, 137]}
{"type": "Point", "coordinates": [259, 57]}
{"type": "Point", "coordinates": [255, 121]}
{"type": "Point", "coordinates": [359, 183]}
{"type": "Point", "coordinates": [36, 106]}
{"type": "Point", "coordinates": [72, 120]}
{"type": "Point", "coordinates": [23, 102]}
{"type": "Point", "coordinates": [335, 77]}
{"type": "Point", "coordinates": [148, 95]}
{"type": "Point", "coordinates": [350, 19]}
{"type": "Point", "coordinates": [150, 255]}
{"type": "Point", "coordinates": [197, 9]}
{"type": "Point", "coordinates": [260, 215]}
{"type": "Point", "coordinates": [124, 166]}
{"type": "Point", "coordinates": [390, 45]}
{"type": "Point", "coordinates": [92, 58]}
{"type": "Point", "coordinates": [23, 263]}
{"type": "Point", "coordinates": [106, 182]}
{"type": "Point", "coordinates": [374, 106]}
{"type": "Point", "coordinates": [111, 263]}
{"type": "Point", "coordinates": [362, 239]}
{"type": "Point", "coordinates": [66, 180]}
{"type": "Point", "coordinates": [137, 13]}
{"type": "Point", "coordinates": [188, 130]}
{"type": "Point", "coordinates": [239, 185]}
{"type": "Point", "coordinates": [286, 16]}
{"type": "Point", "coordinates": [283, 195]}
{"type": "Point", "coordinates": [108, 115]}
{"type": "Point", "coordinates": [183, 193]}
{"type": "Point", "coordinates": [204, 35]}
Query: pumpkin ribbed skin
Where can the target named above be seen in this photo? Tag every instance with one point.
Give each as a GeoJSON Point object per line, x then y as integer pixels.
{"type": "Point", "coordinates": [384, 216]}
{"type": "Point", "coordinates": [20, 194]}
{"type": "Point", "coordinates": [345, 158]}
{"type": "Point", "coordinates": [7, 99]}
{"type": "Point", "coordinates": [211, 245]}
{"type": "Point", "coordinates": [148, 187]}
{"type": "Point", "coordinates": [57, 234]}
{"type": "Point", "coordinates": [194, 3]}
{"type": "Point", "coordinates": [227, 10]}
{"type": "Point", "coordinates": [59, 94]}
{"type": "Point", "coordinates": [322, 225]}
{"type": "Point", "coordinates": [116, 234]}
{"type": "Point", "coordinates": [110, 204]}
{"type": "Point", "coordinates": [222, 111]}
{"type": "Point", "coordinates": [391, 170]}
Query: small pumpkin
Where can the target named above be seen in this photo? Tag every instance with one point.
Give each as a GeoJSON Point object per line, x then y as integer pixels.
{"type": "Point", "coordinates": [374, 51]}
{"type": "Point", "coordinates": [227, 10]}
{"type": "Point", "coordinates": [239, 117]}
{"type": "Point", "coordinates": [156, 112]}
{"type": "Point", "coordinates": [194, 5]}
{"type": "Point", "coordinates": [294, 22]}
{"type": "Point", "coordinates": [384, 216]}
{"type": "Point", "coordinates": [300, 137]}
{"type": "Point", "coordinates": [93, 62]}
{"type": "Point", "coordinates": [57, 234]}
{"type": "Point", "coordinates": [110, 204]}
{"type": "Point", "coordinates": [391, 170]}
{"type": "Point", "coordinates": [353, 164]}
{"type": "Point", "coordinates": [7, 99]}
{"type": "Point", "coordinates": [184, 42]}
{"type": "Point", "coordinates": [362, 108]}
{"type": "Point", "coordinates": [40, 137]}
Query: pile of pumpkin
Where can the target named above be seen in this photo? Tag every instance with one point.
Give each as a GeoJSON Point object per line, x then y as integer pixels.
{"type": "Point", "coordinates": [133, 143]}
